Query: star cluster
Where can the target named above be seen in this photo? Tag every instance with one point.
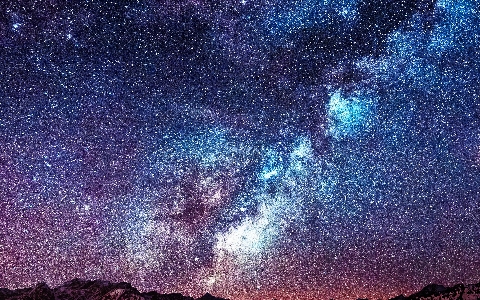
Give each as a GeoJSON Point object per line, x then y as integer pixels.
{"type": "Point", "coordinates": [251, 149]}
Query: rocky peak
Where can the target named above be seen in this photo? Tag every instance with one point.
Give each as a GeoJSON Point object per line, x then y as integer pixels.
{"type": "Point", "coordinates": [78, 289]}
{"type": "Point", "coordinates": [440, 292]}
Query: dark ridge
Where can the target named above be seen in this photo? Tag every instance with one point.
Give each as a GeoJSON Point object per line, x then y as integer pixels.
{"type": "Point", "coordinates": [207, 296]}
{"type": "Point", "coordinates": [431, 290]}
{"type": "Point", "coordinates": [447, 293]}
{"type": "Point", "coordinates": [79, 289]}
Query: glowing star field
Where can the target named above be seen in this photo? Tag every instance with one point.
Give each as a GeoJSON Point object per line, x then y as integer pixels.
{"type": "Point", "coordinates": [251, 149]}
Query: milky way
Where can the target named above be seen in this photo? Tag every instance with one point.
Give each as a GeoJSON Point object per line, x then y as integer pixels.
{"type": "Point", "coordinates": [252, 149]}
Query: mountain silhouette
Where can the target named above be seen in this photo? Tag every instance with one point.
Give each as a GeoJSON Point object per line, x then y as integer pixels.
{"type": "Point", "coordinates": [440, 292]}
{"type": "Point", "coordinates": [78, 289]}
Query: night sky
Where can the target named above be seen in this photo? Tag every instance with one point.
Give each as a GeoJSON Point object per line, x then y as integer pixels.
{"type": "Point", "coordinates": [301, 149]}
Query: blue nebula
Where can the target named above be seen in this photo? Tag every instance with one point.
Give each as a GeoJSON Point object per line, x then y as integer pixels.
{"type": "Point", "coordinates": [349, 116]}
{"type": "Point", "coordinates": [272, 166]}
